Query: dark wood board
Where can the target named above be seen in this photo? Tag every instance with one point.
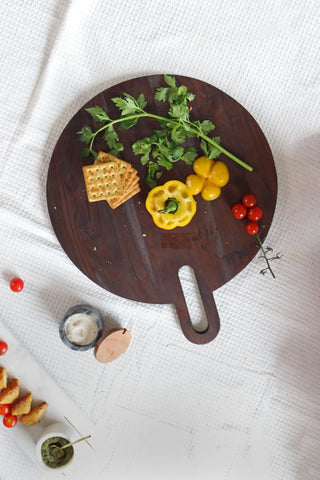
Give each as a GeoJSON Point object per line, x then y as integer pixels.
{"type": "Point", "coordinates": [122, 250]}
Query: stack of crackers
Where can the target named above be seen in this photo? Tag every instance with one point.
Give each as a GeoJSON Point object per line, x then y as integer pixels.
{"type": "Point", "coordinates": [110, 179]}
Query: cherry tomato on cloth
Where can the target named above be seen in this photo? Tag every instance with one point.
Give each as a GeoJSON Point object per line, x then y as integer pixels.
{"type": "Point", "coordinates": [255, 213]}
{"type": "Point", "coordinates": [249, 200]}
{"type": "Point", "coordinates": [16, 284]}
{"type": "Point", "coordinates": [252, 228]}
{"type": "Point", "coordinates": [3, 347]}
{"type": "Point", "coordinates": [239, 211]}
{"type": "Point", "coordinates": [5, 409]}
{"type": "Point", "coordinates": [10, 420]}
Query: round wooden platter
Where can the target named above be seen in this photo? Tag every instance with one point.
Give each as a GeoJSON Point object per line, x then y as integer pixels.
{"type": "Point", "coordinates": [122, 250]}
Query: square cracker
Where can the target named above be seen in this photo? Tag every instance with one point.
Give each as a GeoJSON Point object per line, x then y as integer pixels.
{"type": "Point", "coordinates": [105, 157]}
{"type": "Point", "coordinates": [132, 182]}
{"type": "Point", "coordinates": [126, 170]}
{"type": "Point", "coordinates": [121, 180]}
{"type": "Point", "coordinates": [126, 197]}
{"type": "Point", "coordinates": [127, 176]}
{"type": "Point", "coordinates": [102, 181]}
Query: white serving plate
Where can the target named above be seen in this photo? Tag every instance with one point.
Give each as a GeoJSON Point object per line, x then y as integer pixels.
{"type": "Point", "coordinates": [88, 457]}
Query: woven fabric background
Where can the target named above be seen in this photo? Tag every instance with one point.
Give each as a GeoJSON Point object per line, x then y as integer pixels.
{"type": "Point", "coordinates": [246, 406]}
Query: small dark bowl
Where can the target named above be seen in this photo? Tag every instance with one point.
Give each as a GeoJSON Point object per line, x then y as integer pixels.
{"type": "Point", "coordinates": [87, 310]}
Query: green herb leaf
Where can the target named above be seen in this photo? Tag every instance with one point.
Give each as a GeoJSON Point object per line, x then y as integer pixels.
{"type": "Point", "coordinates": [178, 134]}
{"type": "Point", "coordinates": [190, 96]}
{"type": "Point", "coordinates": [190, 129]}
{"type": "Point", "coordinates": [85, 152]}
{"type": "Point", "coordinates": [126, 124]}
{"type": "Point", "coordinates": [142, 146]}
{"type": "Point", "coordinates": [162, 94]}
{"type": "Point", "coordinates": [128, 105]}
{"type": "Point", "coordinates": [210, 151]}
{"type": "Point", "coordinates": [98, 114]}
{"type": "Point", "coordinates": [171, 81]}
{"type": "Point", "coordinates": [160, 136]}
{"type": "Point", "coordinates": [111, 137]}
{"type": "Point", "coordinates": [179, 111]}
{"type": "Point", "coordinates": [214, 152]}
{"type": "Point", "coordinates": [162, 151]}
{"type": "Point", "coordinates": [118, 148]}
{"type": "Point", "coordinates": [177, 153]}
{"type": "Point", "coordinates": [152, 171]}
{"type": "Point", "coordinates": [141, 101]}
{"type": "Point", "coordinates": [85, 134]}
{"type": "Point", "coordinates": [189, 156]}
{"type": "Point", "coordinates": [204, 147]}
{"type": "Point", "coordinates": [119, 102]}
{"type": "Point", "coordinates": [163, 162]}
{"type": "Point", "coordinates": [175, 95]}
{"type": "Point", "coordinates": [145, 159]}
{"type": "Point", "coordinates": [206, 127]}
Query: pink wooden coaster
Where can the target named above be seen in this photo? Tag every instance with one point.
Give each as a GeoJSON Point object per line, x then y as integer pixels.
{"type": "Point", "coordinates": [112, 344]}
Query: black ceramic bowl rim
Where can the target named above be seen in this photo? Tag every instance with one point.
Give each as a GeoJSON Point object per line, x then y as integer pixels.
{"type": "Point", "coordinates": [87, 310]}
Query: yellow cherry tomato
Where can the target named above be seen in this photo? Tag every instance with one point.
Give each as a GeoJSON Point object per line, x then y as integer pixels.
{"type": "Point", "coordinates": [219, 174]}
{"type": "Point", "coordinates": [202, 166]}
{"type": "Point", "coordinates": [195, 184]}
{"type": "Point", "coordinates": [210, 191]}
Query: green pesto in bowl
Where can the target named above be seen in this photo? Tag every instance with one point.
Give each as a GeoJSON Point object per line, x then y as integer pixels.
{"type": "Point", "coordinates": [52, 455]}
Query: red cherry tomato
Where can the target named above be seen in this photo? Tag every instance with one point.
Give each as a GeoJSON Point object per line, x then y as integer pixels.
{"type": "Point", "coordinates": [255, 213]}
{"type": "Point", "coordinates": [252, 228]}
{"type": "Point", "coordinates": [3, 347]}
{"type": "Point", "coordinates": [5, 409]}
{"type": "Point", "coordinates": [16, 284]}
{"type": "Point", "coordinates": [10, 420]}
{"type": "Point", "coordinates": [249, 200]}
{"type": "Point", "coordinates": [239, 211]}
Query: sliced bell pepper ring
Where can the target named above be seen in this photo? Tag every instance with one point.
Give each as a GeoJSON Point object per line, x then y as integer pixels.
{"type": "Point", "coordinates": [171, 205]}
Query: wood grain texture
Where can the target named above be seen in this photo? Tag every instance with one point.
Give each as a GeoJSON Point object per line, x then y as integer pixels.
{"type": "Point", "coordinates": [122, 250]}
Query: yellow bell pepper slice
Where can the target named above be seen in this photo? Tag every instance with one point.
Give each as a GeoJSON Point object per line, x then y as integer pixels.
{"type": "Point", "coordinates": [171, 205]}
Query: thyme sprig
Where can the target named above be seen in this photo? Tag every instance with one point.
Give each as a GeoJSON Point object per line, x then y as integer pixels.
{"type": "Point", "coordinates": [165, 146]}
{"type": "Point", "coordinates": [264, 254]}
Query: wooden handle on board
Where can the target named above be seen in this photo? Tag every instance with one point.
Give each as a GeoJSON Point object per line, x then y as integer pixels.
{"type": "Point", "coordinates": [209, 305]}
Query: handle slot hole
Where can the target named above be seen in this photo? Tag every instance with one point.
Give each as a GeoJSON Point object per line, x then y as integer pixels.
{"type": "Point", "coordinates": [193, 298]}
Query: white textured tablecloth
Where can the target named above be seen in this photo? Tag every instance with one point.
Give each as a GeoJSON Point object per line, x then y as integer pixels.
{"type": "Point", "coordinates": [247, 405]}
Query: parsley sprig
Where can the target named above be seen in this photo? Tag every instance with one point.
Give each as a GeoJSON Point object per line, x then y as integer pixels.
{"type": "Point", "coordinates": [166, 145]}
